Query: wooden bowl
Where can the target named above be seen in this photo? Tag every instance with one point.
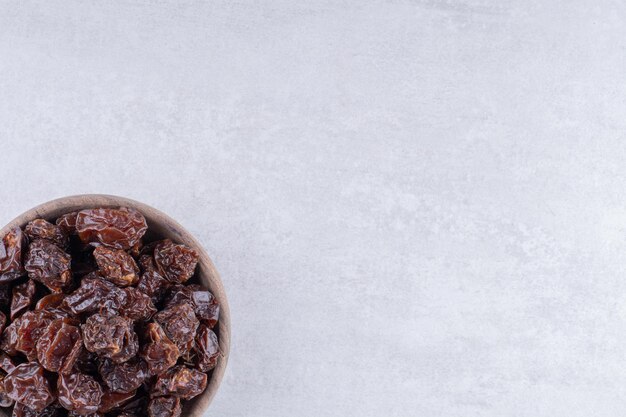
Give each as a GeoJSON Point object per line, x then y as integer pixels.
{"type": "Point", "coordinates": [160, 226]}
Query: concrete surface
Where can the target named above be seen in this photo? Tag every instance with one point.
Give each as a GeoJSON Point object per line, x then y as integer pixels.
{"type": "Point", "coordinates": [418, 207]}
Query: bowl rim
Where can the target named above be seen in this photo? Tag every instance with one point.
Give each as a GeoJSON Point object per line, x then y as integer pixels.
{"type": "Point", "coordinates": [53, 208]}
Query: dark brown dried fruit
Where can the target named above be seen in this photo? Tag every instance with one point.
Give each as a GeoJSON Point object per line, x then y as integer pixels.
{"type": "Point", "coordinates": [22, 334]}
{"type": "Point", "coordinates": [59, 346]}
{"type": "Point", "coordinates": [116, 228]}
{"type": "Point", "coordinates": [153, 285]}
{"type": "Point", "coordinates": [160, 353]}
{"type": "Point", "coordinates": [180, 324]}
{"type": "Point", "coordinates": [67, 222]}
{"type": "Point", "coordinates": [117, 266]}
{"type": "Point", "coordinates": [6, 363]}
{"type": "Point", "coordinates": [203, 302]}
{"type": "Point", "coordinates": [42, 229]}
{"type": "Point", "coordinates": [20, 410]}
{"type": "Point", "coordinates": [164, 407]}
{"type": "Point", "coordinates": [80, 393]}
{"type": "Point", "coordinates": [181, 382]}
{"type": "Point", "coordinates": [206, 349]}
{"type": "Point", "coordinates": [48, 264]}
{"type": "Point", "coordinates": [5, 400]}
{"type": "Point", "coordinates": [110, 337]}
{"type": "Point", "coordinates": [26, 384]}
{"type": "Point", "coordinates": [11, 251]}
{"type": "Point", "coordinates": [93, 295]}
{"type": "Point", "coordinates": [123, 377]}
{"type": "Point", "coordinates": [114, 400]}
{"type": "Point", "coordinates": [176, 262]}
{"type": "Point", "coordinates": [139, 306]}
{"type": "Point", "coordinates": [50, 301]}
{"type": "Point", "coordinates": [23, 297]}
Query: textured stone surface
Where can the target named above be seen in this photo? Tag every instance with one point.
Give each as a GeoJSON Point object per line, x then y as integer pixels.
{"type": "Point", "coordinates": [417, 207]}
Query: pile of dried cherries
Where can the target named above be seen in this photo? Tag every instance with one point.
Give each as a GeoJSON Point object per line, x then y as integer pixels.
{"type": "Point", "coordinates": [96, 322]}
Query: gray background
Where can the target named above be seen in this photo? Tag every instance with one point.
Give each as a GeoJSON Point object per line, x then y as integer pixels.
{"type": "Point", "coordinates": [417, 207]}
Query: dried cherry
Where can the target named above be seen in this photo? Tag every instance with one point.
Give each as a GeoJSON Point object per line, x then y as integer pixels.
{"type": "Point", "coordinates": [42, 229]}
{"type": "Point", "coordinates": [180, 381]}
{"type": "Point", "coordinates": [11, 252]}
{"type": "Point", "coordinates": [23, 297]}
{"type": "Point", "coordinates": [203, 302]}
{"type": "Point", "coordinates": [116, 266]}
{"type": "Point", "coordinates": [139, 306]}
{"type": "Point", "coordinates": [206, 349]}
{"type": "Point", "coordinates": [176, 262]}
{"type": "Point", "coordinates": [159, 352]}
{"type": "Point", "coordinates": [110, 337]}
{"type": "Point", "coordinates": [180, 324]}
{"type": "Point", "coordinates": [116, 228]}
{"type": "Point", "coordinates": [123, 377]}
{"type": "Point", "coordinates": [48, 264]}
{"type": "Point", "coordinates": [20, 410]}
{"type": "Point", "coordinates": [164, 407]}
{"type": "Point", "coordinates": [94, 294]}
{"type": "Point", "coordinates": [80, 393]}
{"type": "Point", "coordinates": [59, 346]}
{"type": "Point", "coordinates": [67, 222]}
{"type": "Point", "coordinates": [26, 384]}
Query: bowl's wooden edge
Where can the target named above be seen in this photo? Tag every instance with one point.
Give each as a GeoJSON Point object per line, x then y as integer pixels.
{"type": "Point", "coordinates": [54, 208]}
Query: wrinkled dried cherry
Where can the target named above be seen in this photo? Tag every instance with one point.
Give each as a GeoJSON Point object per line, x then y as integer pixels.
{"type": "Point", "coordinates": [110, 337]}
{"type": "Point", "coordinates": [116, 228]}
{"type": "Point", "coordinates": [180, 381]}
{"type": "Point", "coordinates": [48, 264]}
{"type": "Point", "coordinates": [27, 384]}
{"type": "Point", "coordinates": [116, 266]}
{"type": "Point", "coordinates": [79, 392]}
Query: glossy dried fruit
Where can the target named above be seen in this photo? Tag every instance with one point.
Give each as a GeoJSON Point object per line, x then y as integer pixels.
{"type": "Point", "coordinates": [164, 407]}
{"type": "Point", "coordinates": [181, 382]}
{"type": "Point", "coordinates": [5, 400]}
{"type": "Point", "coordinates": [67, 222]}
{"type": "Point", "coordinates": [42, 229]}
{"type": "Point", "coordinates": [110, 337]}
{"type": "Point", "coordinates": [179, 323]}
{"type": "Point", "coordinates": [176, 262]}
{"type": "Point", "coordinates": [159, 352]}
{"type": "Point", "coordinates": [204, 304]}
{"type": "Point", "coordinates": [79, 392]}
{"type": "Point", "coordinates": [206, 349]}
{"type": "Point", "coordinates": [114, 400]}
{"type": "Point", "coordinates": [116, 228]}
{"type": "Point", "coordinates": [26, 384]}
{"type": "Point", "coordinates": [123, 377]}
{"type": "Point", "coordinates": [59, 346]}
{"type": "Point", "coordinates": [93, 295]}
{"type": "Point", "coordinates": [116, 266]}
{"type": "Point", "coordinates": [153, 285]}
{"type": "Point", "coordinates": [23, 297]}
{"type": "Point", "coordinates": [6, 363]}
{"type": "Point", "coordinates": [48, 264]}
{"type": "Point", "coordinates": [20, 410]}
{"type": "Point", "coordinates": [50, 301]}
{"type": "Point", "coordinates": [23, 333]}
{"type": "Point", "coordinates": [11, 252]}
{"type": "Point", "coordinates": [139, 306]}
